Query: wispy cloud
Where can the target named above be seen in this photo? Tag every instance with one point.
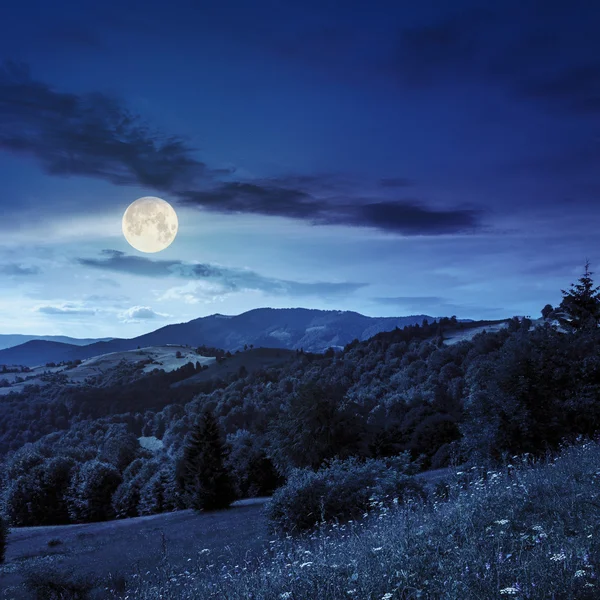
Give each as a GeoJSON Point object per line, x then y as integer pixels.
{"type": "Point", "coordinates": [19, 270]}
{"type": "Point", "coordinates": [141, 313]}
{"type": "Point", "coordinates": [411, 300]}
{"type": "Point", "coordinates": [65, 309]}
{"type": "Point", "coordinates": [96, 136]}
{"type": "Point", "coordinates": [405, 216]}
{"type": "Point", "coordinates": [232, 280]}
{"type": "Point", "coordinates": [528, 50]}
{"type": "Point", "coordinates": [92, 134]}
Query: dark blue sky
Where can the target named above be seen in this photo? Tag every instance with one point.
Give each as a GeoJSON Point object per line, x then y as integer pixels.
{"type": "Point", "coordinates": [384, 157]}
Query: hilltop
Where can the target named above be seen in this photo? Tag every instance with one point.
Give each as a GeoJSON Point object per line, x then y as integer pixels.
{"type": "Point", "coordinates": [289, 328]}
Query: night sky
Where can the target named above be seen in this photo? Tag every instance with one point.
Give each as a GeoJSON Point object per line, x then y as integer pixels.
{"type": "Point", "coordinates": [386, 157]}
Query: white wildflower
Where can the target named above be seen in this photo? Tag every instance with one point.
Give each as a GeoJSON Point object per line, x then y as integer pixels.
{"type": "Point", "coordinates": [579, 573]}
{"type": "Point", "coordinates": [285, 595]}
{"type": "Point", "coordinates": [558, 557]}
{"type": "Point", "coordinates": [510, 591]}
{"type": "Point", "coordinates": [501, 522]}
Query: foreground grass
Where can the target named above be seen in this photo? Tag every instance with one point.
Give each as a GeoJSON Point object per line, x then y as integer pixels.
{"type": "Point", "coordinates": [526, 531]}
{"type": "Point", "coordinates": [68, 557]}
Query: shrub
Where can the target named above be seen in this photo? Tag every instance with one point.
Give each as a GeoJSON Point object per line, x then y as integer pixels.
{"type": "Point", "coordinates": [50, 583]}
{"type": "Point", "coordinates": [341, 491]}
{"type": "Point", "coordinates": [3, 538]}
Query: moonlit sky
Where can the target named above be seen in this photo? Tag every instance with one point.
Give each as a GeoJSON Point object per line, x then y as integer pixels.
{"type": "Point", "coordinates": [386, 157]}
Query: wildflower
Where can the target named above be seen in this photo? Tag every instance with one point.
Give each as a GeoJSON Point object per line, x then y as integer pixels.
{"type": "Point", "coordinates": [537, 528]}
{"type": "Point", "coordinates": [285, 595]}
{"type": "Point", "coordinates": [558, 557]}
{"type": "Point", "coordinates": [511, 591]}
{"type": "Point", "coordinates": [386, 596]}
{"type": "Point", "coordinates": [501, 522]}
{"type": "Point", "coordinates": [579, 573]}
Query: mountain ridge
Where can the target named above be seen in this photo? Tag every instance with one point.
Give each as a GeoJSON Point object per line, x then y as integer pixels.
{"type": "Point", "coordinates": [312, 330]}
{"type": "Point", "coordinates": [10, 340]}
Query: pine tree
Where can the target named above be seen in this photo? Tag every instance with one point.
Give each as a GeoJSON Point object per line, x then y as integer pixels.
{"type": "Point", "coordinates": [207, 482]}
{"type": "Point", "coordinates": [580, 305]}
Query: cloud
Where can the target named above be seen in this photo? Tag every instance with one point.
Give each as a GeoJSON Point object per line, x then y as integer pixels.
{"type": "Point", "coordinates": [94, 135]}
{"type": "Point", "coordinates": [138, 313]}
{"type": "Point", "coordinates": [545, 55]}
{"type": "Point", "coordinates": [407, 217]}
{"type": "Point", "coordinates": [229, 280]}
{"type": "Point", "coordinates": [89, 134]}
{"type": "Point", "coordinates": [410, 300]}
{"type": "Point", "coordinates": [19, 270]}
{"type": "Point", "coordinates": [65, 309]}
{"type": "Point", "coordinates": [575, 88]}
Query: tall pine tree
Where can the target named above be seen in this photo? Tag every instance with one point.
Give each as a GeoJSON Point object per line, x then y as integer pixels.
{"type": "Point", "coordinates": [580, 306]}
{"type": "Point", "coordinates": [207, 482]}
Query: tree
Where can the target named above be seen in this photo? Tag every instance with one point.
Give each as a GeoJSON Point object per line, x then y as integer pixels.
{"type": "Point", "coordinates": [207, 482]}
{"type": "Point", "coordinates": [580, 305]}
{"type": "Point", "coordinates": [158, 494]}
{"type": "Point", "coordinates": [91, 491]}
{"type": "Point", "coordinates": [37, 497]}
{"type": "Point", "coordinates": [317, 423]}
{"type": "Point", "coordinates": [547, 311]}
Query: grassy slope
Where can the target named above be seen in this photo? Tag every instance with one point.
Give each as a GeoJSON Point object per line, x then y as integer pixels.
{"type": "Point", "coordinates": [135, 545]}
{"type": "Point", "coordinates": [525, 532]}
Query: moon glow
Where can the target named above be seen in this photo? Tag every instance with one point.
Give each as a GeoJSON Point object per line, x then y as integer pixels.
{"type": "Point", "coordinates": [150, 224]}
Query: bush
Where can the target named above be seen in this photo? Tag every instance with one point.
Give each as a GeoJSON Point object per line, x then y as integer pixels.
{"type": "Point", "coordinates": [3, 538]}
{"type": "Point", "coordinates": [341, 491]}
{"type": "Point", "coordinates": [49, 583]}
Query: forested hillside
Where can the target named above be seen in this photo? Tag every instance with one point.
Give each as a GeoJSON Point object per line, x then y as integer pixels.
{"type": "Point", "coordinates": [401, 393]}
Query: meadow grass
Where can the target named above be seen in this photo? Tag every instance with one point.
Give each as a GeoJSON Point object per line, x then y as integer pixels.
{"type": "Point", "coordinates": [526, 530]}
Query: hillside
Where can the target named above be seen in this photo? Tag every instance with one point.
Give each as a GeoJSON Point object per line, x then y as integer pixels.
{"type": "Point", "coordinates": [8, 340]}
{"type": "Point", "coordinates": [105, 369]}
{"type": "Point", "coordinates": [292, 329]}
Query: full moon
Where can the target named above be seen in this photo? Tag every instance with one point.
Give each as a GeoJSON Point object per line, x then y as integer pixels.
{"type": "Point", "coordinates": [150, 224]}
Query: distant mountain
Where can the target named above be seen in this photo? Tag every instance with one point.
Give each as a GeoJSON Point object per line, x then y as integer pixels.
{"type": "Point", "coordinates": [8, 340]}
{"type": "Point", "coordinates": [290, 328]}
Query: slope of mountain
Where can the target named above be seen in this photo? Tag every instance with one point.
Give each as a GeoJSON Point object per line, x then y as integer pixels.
{"type": "Point", "coordinates": [290, 328]}
{"type": "Point", "coordinates": [8, 340]}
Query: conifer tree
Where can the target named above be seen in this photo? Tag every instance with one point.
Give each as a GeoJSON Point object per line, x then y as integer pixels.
{"type": "Point", "coordinates": [207, 481]}
{"type": "Point", "coordinates": [580, 306]}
